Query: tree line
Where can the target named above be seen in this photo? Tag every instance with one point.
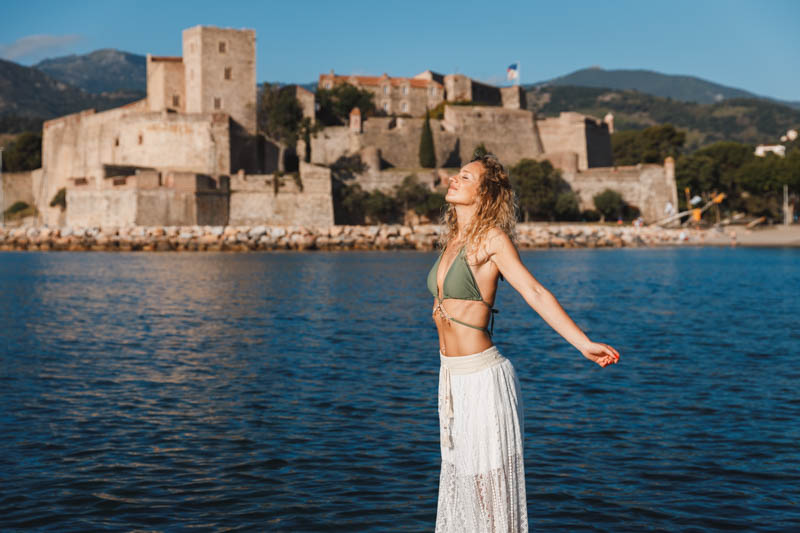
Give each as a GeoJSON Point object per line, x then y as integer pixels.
{"type": "Point", "coordinates": [752, 184]}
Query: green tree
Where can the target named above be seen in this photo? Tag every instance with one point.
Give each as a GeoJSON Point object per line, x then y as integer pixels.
{"type": "Point", "coordinates": [567, 206]}
{"type": "Point", "coordinates": [380, 207]}
{"type": "Point", "coordinates": [479, 151]}
{"type": "Point", "coordinates": [651, 145]}
{"type": "Point", "coordinates": [427, 152]}
{"type": "Point", "coordinates": [25, 153]}
{"type": "Point", "coordinates": [335, 104]}
{"type": "Point", "coordinates": [537, 185]}
{"type": "Point", "coordinates": [714, 169]}
{"type": "Point", "coordinates": [609, 203]}
{"type": "Point", "coordinates": [411, 194]}
{"type": "Point", "coordinates": [280, 115]}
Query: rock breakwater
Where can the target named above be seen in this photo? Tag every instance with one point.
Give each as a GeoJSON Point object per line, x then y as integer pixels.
{"type": "Point", "coordinates": [379, 237]}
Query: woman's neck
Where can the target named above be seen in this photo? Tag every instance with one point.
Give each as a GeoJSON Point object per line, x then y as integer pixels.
{"type": "Point", "coordinates": [464, 214]}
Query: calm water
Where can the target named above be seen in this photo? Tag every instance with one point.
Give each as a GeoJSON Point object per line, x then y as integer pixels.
{"type": "Point", "coordinates": [297, 391]}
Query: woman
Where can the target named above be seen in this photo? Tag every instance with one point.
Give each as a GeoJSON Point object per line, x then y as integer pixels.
{"type": "Point", "coordinates": [482, 481]}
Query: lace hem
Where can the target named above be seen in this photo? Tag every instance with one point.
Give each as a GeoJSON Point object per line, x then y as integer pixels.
{"type": "Point", "coordinates": [491, 502]}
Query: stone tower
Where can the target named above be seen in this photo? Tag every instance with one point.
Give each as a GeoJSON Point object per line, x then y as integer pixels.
{"type": "Point", "coordinates": [220, 70]}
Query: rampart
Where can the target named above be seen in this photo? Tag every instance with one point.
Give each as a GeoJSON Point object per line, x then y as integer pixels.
{"type": "Point", "coordinates": [17, 187]}
{"type": "Point", "coordinates": [647, 187]}
{"type": "Point", "coordinates": [304, 198]}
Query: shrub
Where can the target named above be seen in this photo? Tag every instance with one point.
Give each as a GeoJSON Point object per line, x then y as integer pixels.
{"type": "Point", "coordinates": [59, 199]}
{"type": "Point", "coordinates": [609, 203]}
{"type": "Point", "coordinates": [16, 207]}
{"type": "Point", "coordinates": [567, 207]}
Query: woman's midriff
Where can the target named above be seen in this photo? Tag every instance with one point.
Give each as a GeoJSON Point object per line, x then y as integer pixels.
{"type": "Point", "coordinates": [456, 339]}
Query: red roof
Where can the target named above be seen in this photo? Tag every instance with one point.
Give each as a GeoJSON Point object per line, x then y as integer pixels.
{"type": "Point", "coordinates": [174, 59]}
{"type": "Point", "coordinates": [378, 80]}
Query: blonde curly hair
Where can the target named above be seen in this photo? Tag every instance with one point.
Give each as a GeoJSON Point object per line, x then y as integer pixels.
{"type": "Point", "coordinates": [497, 207]}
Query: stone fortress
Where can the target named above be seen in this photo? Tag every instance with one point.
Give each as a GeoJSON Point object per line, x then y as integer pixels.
{"type": "Point", "coordinates": [578, 145]}
{"type": "Point", "coordinates": [187, 154]}
{"type": "Point", "coordinates": [190, 154]}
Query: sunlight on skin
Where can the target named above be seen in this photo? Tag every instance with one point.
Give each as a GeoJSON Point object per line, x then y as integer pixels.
{"type": "Point", "coordinates": [499, 256]}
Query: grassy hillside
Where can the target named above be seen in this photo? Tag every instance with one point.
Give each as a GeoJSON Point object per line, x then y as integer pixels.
{"type": "Point", "coordinates": [28, 96]}
{"type": "Point", "coordinates": [746, 120]}
{"type": "Point", "coordinates": [101, 71]}
{"type": "Point", "coordinates": [677, 87]}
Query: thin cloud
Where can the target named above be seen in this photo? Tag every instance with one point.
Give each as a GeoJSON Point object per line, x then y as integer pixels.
{"type": "Point", "coordinates": [34, 47]}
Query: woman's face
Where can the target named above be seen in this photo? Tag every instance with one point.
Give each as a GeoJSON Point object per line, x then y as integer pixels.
{"type": "Point", "coordinates": [464, 185]}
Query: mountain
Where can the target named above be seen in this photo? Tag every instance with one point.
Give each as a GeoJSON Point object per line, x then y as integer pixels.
{"type": "Point", "coordinates": [684, 88]}
{"type": "Point", "coordinates": [746, 120]}
{"type": "Point", "coordinates": [29, 93]}
{"type": "Point", "coordinates": [101, 71]}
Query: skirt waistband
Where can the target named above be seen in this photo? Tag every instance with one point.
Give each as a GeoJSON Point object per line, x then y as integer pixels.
{"type": "Point", "coordinates": [464, 364]}
{"type": "Point", "coordinates": [467, 364]}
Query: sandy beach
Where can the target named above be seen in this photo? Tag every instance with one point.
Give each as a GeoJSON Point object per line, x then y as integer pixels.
{"type": "Point", "coordinates": [767, 236]}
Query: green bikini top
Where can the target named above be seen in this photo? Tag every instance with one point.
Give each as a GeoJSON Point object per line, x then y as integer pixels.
{"type": "Point", "coordinates": [459, 284]}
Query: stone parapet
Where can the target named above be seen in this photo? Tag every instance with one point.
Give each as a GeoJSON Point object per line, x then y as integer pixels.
{"type": "Point", "coordinates": [381, 237]}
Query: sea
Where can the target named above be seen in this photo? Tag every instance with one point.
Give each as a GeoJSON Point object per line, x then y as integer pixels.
{"type": "Point", "coordinates": [297, 391]}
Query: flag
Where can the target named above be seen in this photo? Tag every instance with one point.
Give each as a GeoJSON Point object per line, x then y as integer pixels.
{"type": "Point", "coordinates": [512, 72]}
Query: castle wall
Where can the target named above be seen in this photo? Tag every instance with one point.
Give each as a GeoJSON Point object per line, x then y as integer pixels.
{"type": "Point", "coordinates": [513, 97]}
{"type": "Point", "coordinates": [647, 187]}
{"type": "Point", "coordinates": [165, 84]}
{"type": "Point", "coordinates": [565, 133]}
{"type": "Point", "coordinates": [221, 73]}
{"type": "Point", "coordinates": [509, 133]}
{"type": "Point", "coordinates": [77, 147]}
{"type": "Point", "coordinates": [17, 187]}
{"type": "Point", "coordinates": [386, 180]}
{"type": "Point", "coordinates": [141, 201]}
{"type": "Point", "coordinates": [253, 200]}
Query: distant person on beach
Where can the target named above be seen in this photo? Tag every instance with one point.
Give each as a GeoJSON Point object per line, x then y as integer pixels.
{"type": "Point", "coordinates": [482, 479]}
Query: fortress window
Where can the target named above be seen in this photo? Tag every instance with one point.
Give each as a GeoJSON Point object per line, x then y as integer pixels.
{"type": "Point", "coordinates": [222, 47]}
{"type": "Point", "coordinates": [405, 107]}
{"type": "Point", "coordinates": [176, 100]}
{"type": "Point", "coordinates": [217, 103]}
{"type": "Point", "coordinates": [405, 90]}
{"type": "Point", "coordinates": [116, 141]}
{"type": "Point", "coordinates": [386, 106]}
{"type": "Point", "coordinates": [228, 73]}
{"type": "Point", "coordinates": [385, 89]}
{"type": "Point", "coordinates": [433, 91]}
{"type": "Point", "coordinates": [141, 138]}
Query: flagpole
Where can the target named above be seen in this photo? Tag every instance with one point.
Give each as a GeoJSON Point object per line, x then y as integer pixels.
{"type": "Point", "coordinates": [519, 71]}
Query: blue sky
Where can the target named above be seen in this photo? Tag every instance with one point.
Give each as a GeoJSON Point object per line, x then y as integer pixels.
{"type": "Point", "coordinates": [753, 45]}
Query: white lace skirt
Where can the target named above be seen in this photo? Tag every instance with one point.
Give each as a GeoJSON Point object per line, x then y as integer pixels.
{"type": "Point", "coordinates": [482, 481]}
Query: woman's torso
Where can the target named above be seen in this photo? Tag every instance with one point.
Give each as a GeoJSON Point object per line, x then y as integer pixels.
{"type": "Point", "coordinates": [456, 339]}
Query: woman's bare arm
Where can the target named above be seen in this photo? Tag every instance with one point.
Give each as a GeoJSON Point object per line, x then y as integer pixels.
{"type": "Point", "coordinates": [503, 253]}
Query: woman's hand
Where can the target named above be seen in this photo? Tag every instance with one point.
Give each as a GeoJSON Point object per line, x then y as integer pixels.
{"type": "Point", "coordinates": [600, 353]}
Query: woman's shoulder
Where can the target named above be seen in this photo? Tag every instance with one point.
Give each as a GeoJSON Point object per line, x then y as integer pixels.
{"type": "Point", "coordinates": [496, 238]}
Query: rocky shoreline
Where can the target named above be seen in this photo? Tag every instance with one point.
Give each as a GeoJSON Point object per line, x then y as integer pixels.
{"type": "Point", "coordinates": [379, 237]}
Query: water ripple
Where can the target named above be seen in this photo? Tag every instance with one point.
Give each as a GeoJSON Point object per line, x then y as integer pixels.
{"type": "Point", "coordinates": [297, 392]}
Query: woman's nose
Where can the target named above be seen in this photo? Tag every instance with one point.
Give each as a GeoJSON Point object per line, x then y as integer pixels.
{"type": "Point", "coordinates": [451, 179]}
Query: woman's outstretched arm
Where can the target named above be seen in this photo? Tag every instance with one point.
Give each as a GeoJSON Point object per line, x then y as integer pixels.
{"type": "Point", "coordinates": [503, 253]}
